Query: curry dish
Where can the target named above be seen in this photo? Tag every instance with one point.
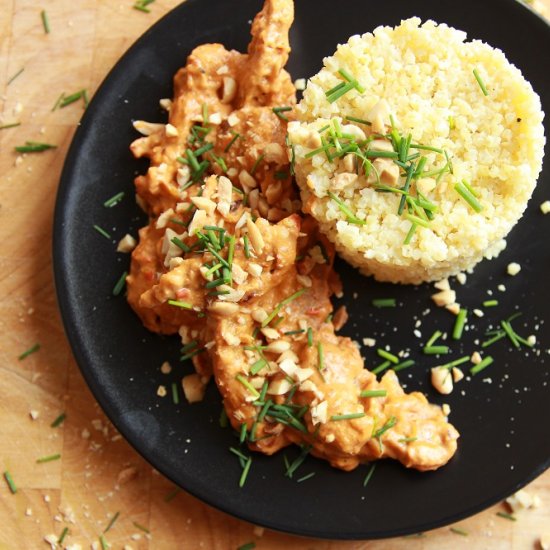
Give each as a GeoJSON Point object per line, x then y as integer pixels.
{"type": "Point", "coordinates": [230, 263]}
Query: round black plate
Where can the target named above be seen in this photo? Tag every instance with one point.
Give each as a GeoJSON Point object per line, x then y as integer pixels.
{"type": "Point", "coordinates": [505, 434]}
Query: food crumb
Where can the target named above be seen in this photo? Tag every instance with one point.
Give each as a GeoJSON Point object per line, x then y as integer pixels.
{"type": "Point", "coordinates": [461, 278]}
{"type": "Point", "coordinates": [166, 368]}
{"type": "Point", "coordinates": [513, 269]}
{"type": "Point", "coordinates": [545, 207]}
{"type": "Point", "coordinates": [34, 414]}
{"type": "Point", "coordinates": [300, 84]}
{"type": "Point", "coordinates": [478, 312]}
{"type": "Point", "coordinates": [161, 391]}
{"type": "Point", "coordinates": [28, 512]}
{"type": "Point", "coordinates": [369, 342]}
{"type": "Point", "coordinates": [258, 531]}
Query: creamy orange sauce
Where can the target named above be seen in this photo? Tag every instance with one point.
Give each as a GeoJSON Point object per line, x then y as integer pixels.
{"type": "Point", "coordinates": [265, 334]}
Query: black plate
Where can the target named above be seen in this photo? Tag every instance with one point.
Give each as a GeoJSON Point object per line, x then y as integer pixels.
{"type": "Point", "coordinates": [505, 436]}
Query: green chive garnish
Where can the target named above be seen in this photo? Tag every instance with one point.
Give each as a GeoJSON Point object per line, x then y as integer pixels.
{"type": "Point", "coordinates": [321, 355]}
{"type": "Point", "coordinates": [279, 110]}
{"type": "Point", "coordinates": [178, 303]}
{"type": "Point", "coordinates": [115, 199]}
{"type": "Point", "coordinates": [404, 365]}
{"type": "Point", "coordinates": [64, 533]}
{"type": "Point", "coordinates": [350, 216]}
{"type": "Point", "coordinates": [34, 147]}
{"type": "Point", "coordinates": [459, 531]}
{"type": "Point", "coordinates": [480, 82]}
{"type": "Point", "coordinates": [436, 350]}
{"type": "Point", "coordinates": [246, 469]}
{"type": "Point", "coordinates": [140, 527]}
{"type": "Point", "coordinates": [280, 306]}
{"type": "Point", "coordinates": [49, 458]}
{"type": "Point", "coordinates": [59, 420]}
{"type": "Point", "coordinates": [506, 516]}
{"type": "Point", "coordinates": [104, 544]}
{"type": "Point", "coordinates": [10, 482]}
{"type": "Point", "coordinates": [373, 393]}
{"type": "Point", "coordinates": [459, 324]}
{"type": "Point", "coordinates": [456, 362]}
{"type": "Point", "coordinates": [175, 394]}
{"type": "Point", "coordinates": [236, 136]}
{"type": "Point", "coordinates": [247, 385]}
{"type": "Point", "coordinates": [384, 302]}
{"type": "Point", "coordinates": [172, 494]}
{"type": "Point", "coordinates": [117, 289]}
{"type": "Point", "coordinates": [434, 337]}
{"type": "Point", "coordinates": [387, 355]}
{"type": "Point", "coordinates": [466, 194]}
{"type": "Point", "coordinates": [45, 22]}
{"type": "Point", "coordinates": [102, 231]}
{"type": "Point", "coordinates": [369, 475]}
{"type": "Point", "coordinates": [310, 336]}
{"type": "Point", "coordinates": [350, 416]}
{"type": "Point", "coordinates": [382, 367]}
{"type": "Point", "coordinates": [28, 352]}
{"type": "Point", "coordinates": [390, 423]}
{"type": "Point", "coordinates": [247, 546]}
{"type": "Point", "coordinates": [490, 303]}
{"type": "Point", "coordinates": [11, 125]}
{"type": "Point", "coordinates": [141, 5]}
{"type": "Point", "coordinates": [67, 100]}
{"type": "Point", "coordinates": [112, 522]}
{"type": "Point", "coordinates": [306, 477]}
{"type": "Point", "coordinates": [15, 76]}
{"type": "Point", "coordinates": [480, 366]}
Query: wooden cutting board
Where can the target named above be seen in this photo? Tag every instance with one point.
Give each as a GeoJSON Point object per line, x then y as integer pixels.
{"type": "Point", "coordinates": [98, 474]}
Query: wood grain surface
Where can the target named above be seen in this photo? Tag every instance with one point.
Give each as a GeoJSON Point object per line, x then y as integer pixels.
{"type": "Point", "coordinates": [99, 474]}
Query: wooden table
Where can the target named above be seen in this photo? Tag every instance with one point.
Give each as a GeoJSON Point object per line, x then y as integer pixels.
{"type": "Point", "coordinates": [99, 474]}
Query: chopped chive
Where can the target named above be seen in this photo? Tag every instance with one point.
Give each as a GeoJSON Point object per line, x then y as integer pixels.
{"type": "Point", "coordinates": [64, 533]}
{"type": "Point", "coordinates": [256, 164]}
{"type": "Point", "coordinates": [244, 475]}
{"type": "Point", "coordinates": [410, 234]}
{"type": "Point", "coordinates": [350, 216]}
{"type": "Point", "coordinates": [310, 336]}
{"type": "Point", "coordinates": [11, 125]}
{"type": "Point", "coordinates": [10, 482]}
{"type": "Point", "coordinates": [242, 433]}
{"type": "Point", "coordinates": [247, 385]}
{"type": "Point", "coordinates": [180, 244]}
{"type": "Point", "coordinates": [67, 100]}
{"type": "Point", "coordinates": [382, 367]}
{"type": "Point", "coordinates": [117, 289]}
{"type": "Point", "coordinates": [45, 21]}
{"type": "Point", "coordinates": [369, 475]}
{"type": "Point", "coordinates": [56, 104]}
{"type": "Point", "coordinates": [280, 306]}
{"type": "Point", "coordinates": [417, 221]}
{"type": "Point", "coordinates": [480, 366]}
{"type": "Point", "coordinates": [175, 394]}
{"type": "Point", "coordinates": [115, 199]}
{"type": "Point", "coordinates": [352, 80]}
{"type": "Point", "coordinates": [112, 522]}
{"type": "Point", "coordinates": [373, 393]}
{"type": "Point", "coordinates": [102, 231]}
{"type": "Point", "coordinates": [34, 147]}
{"type": "Point", "coordinates": [480, 82]}
{"type": "Point", "coordinates": [506, 516]}
{"type": "Point", "coordinates": [178, 303]}
{"type": "Point", "coordinates": [387, 355]}
{"type": "Point", "coordinates": [247, 546]}
{"type": "Point", "coordinates": [490, 303]}
{"type": "Point", "coordinates": [407, 439]}
{"type": "Point", "coordinates": [390, 423]}
{"type": "Point", "coordinates": [384, 302]}
{"type": "Point", "coordinates": [350, 416]}
{"type": "Point", "coordinates": [436, 350]}
{"type": "Point", "coordinates": [236, 136]}
{"type": "Point", "coordinates": [451, 123]}
{"type": "Point", "coordinates": [456, 362]}
{"type": "Point", "coordinates": [459, 323]}
{"type": "Point", "coordinates": [426, 148]}
{"type": "Point", "coordinates": [404, 365]}
{"type": "Point", "coordinates": [381, 154]}
{"type": "Point", "coordinates": [470, 189]}
{"type": "Point", "coordinates": [496, 338]}
{"type": "Point", "coordinates": [321, 355]}
{"type": "Point", "coordinates": [172, 494]}
{"type": "Point", "coordinates": [104, 544]}
{"type": "Point", "coordinates": [296, 463]}
{"type": "Point", "coordinates": [292, 332]}
{"type": "Point", "coordinates": [28, 352]}
{"type": "Point", "coordinates": [10, 80]}
{"type": "Point", "coordinates": [192, 354]}
{"type": "Point", "coordinates": [459, 531]}
{"type": "Point", "coordinates": [246, 247]}
{"type": "Point", "coordinates": [203, 149]}
{"type": "Point", "coordinates": [463, 191]}
{"type": "Point", "coordinates": [140, 527]}
{"type": "Point", "coordinates": [306, 477]}
{"type": "Point", "coordinates": [49, 458]}
{"type": "Point", "coordinates": [434, 337]}
{"type": "Point", "coordinates": [359, 120]}
{"type": "Point", "coordinates": [510, 333]}
{"type": "Point", "coordinates": [58, 421]}
{"type": "Point", "coordinates": [279, 110]}
{"type": "Point", "coordinates": [205, 118]}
